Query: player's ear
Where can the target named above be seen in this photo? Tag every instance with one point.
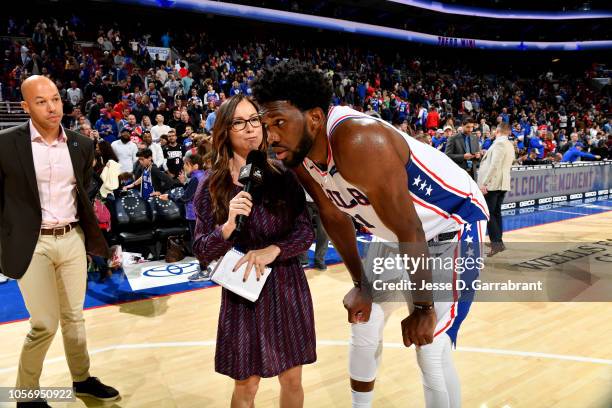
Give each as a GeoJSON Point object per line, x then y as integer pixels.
{"type": "Point", "coordinates": [315, 118]}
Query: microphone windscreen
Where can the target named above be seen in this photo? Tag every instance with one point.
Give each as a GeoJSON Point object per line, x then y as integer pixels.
{"type": "Point", "coordinates": [257, 157]}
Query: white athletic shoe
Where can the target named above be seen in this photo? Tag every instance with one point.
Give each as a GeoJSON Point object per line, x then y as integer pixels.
{"type": "Point", "coordinates": [3, 279]}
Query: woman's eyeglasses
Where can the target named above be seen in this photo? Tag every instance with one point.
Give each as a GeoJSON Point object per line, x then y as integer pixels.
{"type": "Point", "coordinates": [240, 124]}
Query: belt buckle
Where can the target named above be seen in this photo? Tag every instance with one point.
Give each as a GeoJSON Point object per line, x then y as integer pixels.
{"type": "Point", "coordinates": [63, 229]}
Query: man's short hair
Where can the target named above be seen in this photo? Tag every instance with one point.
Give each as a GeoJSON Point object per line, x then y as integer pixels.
{"type": "Point", "coordinates": [467, 120]}
{"type": "Point", "coordinates": [504, 128]}
{"type": "Point", "coordinates": [145, 153]}
{"type": "Point", "coordinates": [298, 83]}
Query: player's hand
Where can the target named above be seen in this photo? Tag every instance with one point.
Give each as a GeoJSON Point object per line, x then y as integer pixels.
{"type": "Point", "coordinates": [259, 258]}
{"type": "Point", "coordinates": [418, 328]}
{"type": "Point", "coordinates": [358, 304]}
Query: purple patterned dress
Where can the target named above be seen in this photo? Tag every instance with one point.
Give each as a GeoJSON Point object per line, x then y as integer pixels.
{"type": "Point", "coordinates": [277, 331]}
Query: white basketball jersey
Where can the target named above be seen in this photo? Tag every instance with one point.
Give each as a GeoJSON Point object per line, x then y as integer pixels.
{"type": "Point", "coordinates": [444, 195]}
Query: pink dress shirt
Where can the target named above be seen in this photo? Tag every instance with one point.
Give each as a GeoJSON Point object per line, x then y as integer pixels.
{"type": "Point", "coordinates": [55, 179]}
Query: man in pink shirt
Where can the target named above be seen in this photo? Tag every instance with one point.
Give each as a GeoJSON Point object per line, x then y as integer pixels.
{"type": "Point", "coordinates": [46, 227]}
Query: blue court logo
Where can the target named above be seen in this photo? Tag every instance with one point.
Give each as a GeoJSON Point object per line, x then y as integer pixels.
{"type": "Point", "coordinates": [164, 271]}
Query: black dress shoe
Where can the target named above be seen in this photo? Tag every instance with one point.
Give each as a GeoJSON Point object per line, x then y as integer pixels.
{"type": "Point", "coordinates": [92, 387]}
{"type": "Point", "coordinates": [496, 248]}
{"type": "Point", "coordinates": [33, 404]}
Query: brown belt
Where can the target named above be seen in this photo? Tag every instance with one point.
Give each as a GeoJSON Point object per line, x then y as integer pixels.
{"type": "Point", "coordinates": [59, 231]}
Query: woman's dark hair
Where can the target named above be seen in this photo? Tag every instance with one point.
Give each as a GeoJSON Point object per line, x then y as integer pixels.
{"type": "Point", "coordinates": [275, 193]}
{"type": "Point", "coordinates": [106, 152]}
{"type": "Point", "coordinates": [300, 84]}
{"type": "Point", "coordinates": [99, 165]}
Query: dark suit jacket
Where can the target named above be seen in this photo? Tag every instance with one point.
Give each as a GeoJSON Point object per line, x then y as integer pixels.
{"type": "Point", "coordinates": [455, 149]}
{"type": "Point", "coordinates": [20, 212]}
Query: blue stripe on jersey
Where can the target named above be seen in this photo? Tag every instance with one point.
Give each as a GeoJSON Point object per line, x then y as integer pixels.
{"type": "Point", "coordinates": [471, 248]}
{"type": "Point", "coordinates": [430, 191]}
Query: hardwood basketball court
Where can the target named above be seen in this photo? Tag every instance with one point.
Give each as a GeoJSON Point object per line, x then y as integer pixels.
{"type": "Point", "coordinates": [159, 352]}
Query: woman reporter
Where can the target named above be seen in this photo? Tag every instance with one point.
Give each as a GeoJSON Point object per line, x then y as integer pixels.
{"type": "Point", "coordinates": [275, 335]}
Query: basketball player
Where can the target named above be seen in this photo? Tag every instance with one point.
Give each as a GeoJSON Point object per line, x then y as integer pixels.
{"type": "Point", "coordinates": [401, 190]}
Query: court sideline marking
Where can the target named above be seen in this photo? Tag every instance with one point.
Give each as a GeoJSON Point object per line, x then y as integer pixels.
{"type": "Point", "coordinates": [340, 343]}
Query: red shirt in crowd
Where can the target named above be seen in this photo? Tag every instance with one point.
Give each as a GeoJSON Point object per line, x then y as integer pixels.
{"type": "Point", "coordinates": [433, 119]}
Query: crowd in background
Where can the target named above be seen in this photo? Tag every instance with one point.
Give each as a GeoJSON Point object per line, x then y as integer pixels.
{"type": "Point", "coordinates": [138, 106]}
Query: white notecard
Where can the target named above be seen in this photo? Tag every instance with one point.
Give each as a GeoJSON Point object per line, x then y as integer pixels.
{"type": "Point", "coordinates": [232, 281]}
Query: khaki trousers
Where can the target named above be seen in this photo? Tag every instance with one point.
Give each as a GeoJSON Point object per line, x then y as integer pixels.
{"type": "Point", "coordinates": [53, 289]}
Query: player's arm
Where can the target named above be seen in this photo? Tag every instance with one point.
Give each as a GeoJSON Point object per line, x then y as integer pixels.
{"type": "Point", "coordinates": [371, 157]}
{"type": "Point", "coordinates": [341, 231]}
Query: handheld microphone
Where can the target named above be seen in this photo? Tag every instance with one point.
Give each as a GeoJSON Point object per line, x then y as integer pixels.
{"type": "Point", "coordinates": [251, 175]}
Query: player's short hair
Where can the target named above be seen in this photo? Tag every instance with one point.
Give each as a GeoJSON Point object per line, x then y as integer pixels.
{"type": "Point", "coordinates": [298, 83]}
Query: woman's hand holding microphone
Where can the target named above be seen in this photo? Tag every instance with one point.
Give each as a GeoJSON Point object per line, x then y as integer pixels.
{"type": "Point", "coordinates": [242, 204]}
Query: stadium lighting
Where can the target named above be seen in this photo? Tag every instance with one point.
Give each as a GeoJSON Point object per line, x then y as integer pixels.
{"type": "Point", "coordinates": [584, 12]}
{"type": "Point", "coordinates": [334, 24]}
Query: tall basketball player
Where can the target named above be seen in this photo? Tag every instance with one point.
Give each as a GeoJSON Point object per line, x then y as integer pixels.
{"type": "Point", "coordinates": [401, 190]}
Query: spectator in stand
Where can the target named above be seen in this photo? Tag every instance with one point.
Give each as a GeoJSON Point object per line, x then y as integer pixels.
{"type": "Point", "coordinates": [106, 126]}
{"type": "Point", "coordinates": [154, 95]}
{"type": "Point", "coordinates": [433, 118]}
{"type": "Point", "coordinates": [187, 138]}
{"type": "Point", "coordinates": [439, 140]}
{"type": "Point", "coordinates": [187, 82]}
{"type": "Point", "coordinates": [156, 149]}
{"type": "Point", "coordinates": [175, 119]}
{"type": "Point", "coordinates": [487, 142]}
{"type": "Point", "coordinates": [211, 95]}
{"type": "Point", "coordinates": [183, 71]}
{"type": "Point", "coordinates": [550, 145]}
{"type": "Point", "coordinates": [74, 94]}
{"type": "Point", "coordinates": [134, 128]}
{"type": "Point", "coordinates": [535, 142]}
{"type": "Point", "coordinates": [531, 159]}
{"type": "Point", "coordinates": [171, 86]}
{"type": "Point", "coordinates": [173, 153]}
{"type": "Point", "coordinates": [146, 124]}
{"type": "Point", "coordinates": [151, 180]}
{"type": "Point", "coordinates": [484, 127]}
{"type": "Point", "coordinates": [159, 129]}
{"type": "Point", "coordinates": [576, 153]}
{"type": "Point", "coordinates": [210, 119]}
{"type": "Point", "coordinates": [400, 123]}
{"type": "Point", "coordinates": [125, 150]}
{"type": "Point", "coordinates": [96, 109]}
{"type": "Point", "coordinates": [183, 123]}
